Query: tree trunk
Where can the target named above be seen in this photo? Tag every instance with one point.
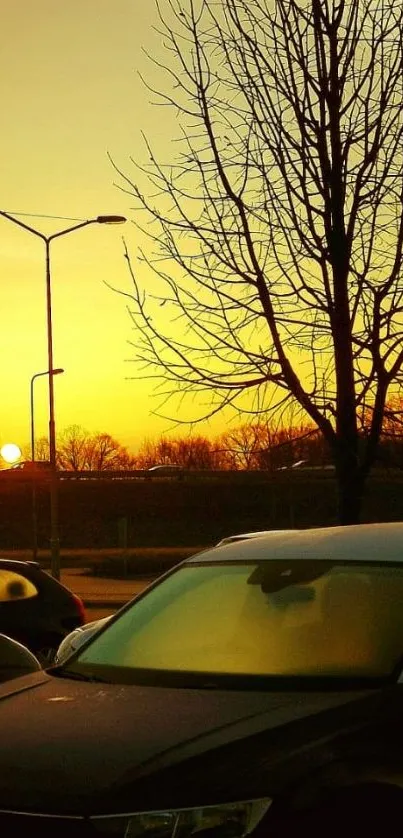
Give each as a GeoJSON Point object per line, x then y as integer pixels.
{"type": "Point", "coordinates": [350, 492]}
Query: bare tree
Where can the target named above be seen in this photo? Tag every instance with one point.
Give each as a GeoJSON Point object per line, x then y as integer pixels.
{"type": "Point", "coordinates": [277, 228]}
{"type": "Point", "coordinates": [71, 449]}
{"type": "Point", "coordinates": [194, 452]}
{"type": "Point", "coordinates": [78, 450]}
{"type": "Point", "coordinates": [242, 446]}
{"type": "Point", "coordinates": [259, 445]}
{"type": "Point", "coordinates": [197, 452]}
{"type": "Point", "coordinates": [106, 453]}
{"type": "Point", "coordinates": [41, 449]}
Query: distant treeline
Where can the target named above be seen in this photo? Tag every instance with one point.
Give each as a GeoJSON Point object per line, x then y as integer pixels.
{"type": "Point", "coordinates": [253, 446]}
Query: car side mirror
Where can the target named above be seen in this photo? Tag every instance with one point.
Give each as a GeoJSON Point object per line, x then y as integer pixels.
{"type": "Point", "coordinates": [15, 659]}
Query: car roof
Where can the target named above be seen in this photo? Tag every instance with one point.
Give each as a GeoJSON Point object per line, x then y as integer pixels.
{"type": "Point", "coordinates": [360, 542]}
{"type": "Point", "coordinates": [242, 535]}
{"type": "Point", "coordinates": [20, 563]}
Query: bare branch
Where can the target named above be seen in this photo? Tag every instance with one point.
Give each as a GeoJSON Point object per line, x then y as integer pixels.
{"type": "Point", "coordinates": [276, 232]}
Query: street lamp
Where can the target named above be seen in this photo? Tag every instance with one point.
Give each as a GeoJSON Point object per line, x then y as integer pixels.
{"type": "Point", "coordinates": [34, 511]}
{"type": "Point", "coordinates": [37, 375]}
{"type": "Point", "coordinates": [54, 523]}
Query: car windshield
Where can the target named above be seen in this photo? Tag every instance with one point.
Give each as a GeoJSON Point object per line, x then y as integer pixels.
{"type": "Point", "coordinates": [210, 622]}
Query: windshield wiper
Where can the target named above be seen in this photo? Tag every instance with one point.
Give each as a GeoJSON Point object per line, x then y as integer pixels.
{"type": "Point", "coordinates": [79, 676]}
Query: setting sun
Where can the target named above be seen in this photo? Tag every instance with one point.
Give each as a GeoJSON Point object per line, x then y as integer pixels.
{"type": "Point", "coordinates": [10, 452]}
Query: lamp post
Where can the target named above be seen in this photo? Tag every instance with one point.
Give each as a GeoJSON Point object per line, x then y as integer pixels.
{"type": "Point", "coordinates": [54, 522]}
{"type": "Point", "coordinates": [34, 512]}
{"type": "Point", "coordinates": [37, 375]}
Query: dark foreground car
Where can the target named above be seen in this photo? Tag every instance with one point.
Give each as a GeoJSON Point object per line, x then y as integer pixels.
{"type": "Point", "coordinates": [256, 689]}
{"type": "Point", "coordinates": [35, 608]}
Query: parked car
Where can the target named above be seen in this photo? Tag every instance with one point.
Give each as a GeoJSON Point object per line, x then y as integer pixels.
{"type": "Point", "coordinates": [298, 464]}
{"type": "Point", "coordinates": [166, 470]}
{"type": "Point", "coordinates": [35, 608]}
{"type": "Point", "coordinates": [28, 470]}
{"type": "Point", "coordinates": [254, 690]}
{"type": "Point", "coordinates": [33, 465]}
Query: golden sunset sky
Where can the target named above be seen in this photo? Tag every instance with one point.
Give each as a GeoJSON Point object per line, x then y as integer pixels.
{"type": "Point", "coordinates": [70, 93]}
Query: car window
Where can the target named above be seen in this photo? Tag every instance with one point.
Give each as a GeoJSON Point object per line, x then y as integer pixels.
{"type": "Point", "coordinates": [280, 619]}
{"type": "Point", "coordinates": [14, 586]}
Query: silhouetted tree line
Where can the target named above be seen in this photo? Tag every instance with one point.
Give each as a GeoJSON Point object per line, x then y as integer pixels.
{"type": "Point", "coordinates": [79, 450]}
{"type": "Point", "coordinates": [252, 446]}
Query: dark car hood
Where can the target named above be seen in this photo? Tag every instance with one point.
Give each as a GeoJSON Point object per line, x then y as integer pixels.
{"type": "Point", "coordinates": [76, 747]}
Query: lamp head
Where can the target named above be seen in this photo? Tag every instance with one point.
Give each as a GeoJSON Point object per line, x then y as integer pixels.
{"type": "Point", "coordinates": [111, 219]}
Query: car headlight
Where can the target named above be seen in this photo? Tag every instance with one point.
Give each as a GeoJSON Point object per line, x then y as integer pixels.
{"type": "Point", "coordinates": [229, 820]}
